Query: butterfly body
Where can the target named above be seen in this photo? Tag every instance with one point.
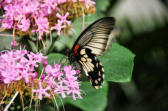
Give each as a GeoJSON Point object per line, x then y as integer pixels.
{"type": "Point", "coordinates": [93, 42]}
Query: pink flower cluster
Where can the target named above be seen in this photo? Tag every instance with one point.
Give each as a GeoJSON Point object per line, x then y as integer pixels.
{"type": "Point", "coordinates": [60, 82]}
{"type": "Point", "coordinates": [61, 23]}
{"type": "Point", "coordinates": [21, 64]}
{"type": "Point", "coordinates": [18, 64]}
{"type": "Point", "coordinates": [20, 13]}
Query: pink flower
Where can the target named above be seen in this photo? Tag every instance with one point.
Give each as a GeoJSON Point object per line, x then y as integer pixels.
{"type": "Point", "coordinates": [38, 57]}
{"type": "Point", "coordinates": [45, 63]}
{"type": "Point", "coordinates": [7, 23]}
{"type": "Point", "coordinates": [88, 2]}
{"type": "Point", "coordinates": [50, 5]}
{"type": "Point", "coordinates": [18, 64]}
{"type": "Point", "coordinates": [63, 82]}
{"type": "Point", "coordinates": [30, 7]}
{"type": "Point", "coordinates": [20, 13]}
{"type": "Point", "coordinates": [25, 24]}
{"type": "Point", "coordinates": [25, 74]}
{"type": "Point", "coordinates": [68, 70]}
{"type": "Point", "coordinates": [58, 27]}
{"type": "Point", "coordinates": [50, 81]}
{"type": "Point", "coordinates": [53, 70]}
{"type": "Point", "coordinates": [8, 1]}
{"type": "Point", "coordinates": [43, 25]}
{"type": "Point", "coordinates": [74, 91]}
{"type": "Point", "coordinates": [71, 82]}
{"type": "Point", "coordinates": [70, 73]}
{"type": "Point", "coordinates": [61, 89]}
{"type": "Point", "coordinates": [21, 64]}
{"type": "Point", "coordinates": [61, 1]}
{"type": "Point", "coordinates": [42, 91]}
{"type": "Point", "coordinates": [64, 18]}
{"type": "Point", "coordinates": [14, 43]}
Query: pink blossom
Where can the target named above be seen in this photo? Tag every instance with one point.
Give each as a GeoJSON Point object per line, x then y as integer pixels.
{"type": "Point", "coordinates": [70, 73]}
{"type": "Point", "coordinates": [61, 1]}
{"type": "Point", "coordinates": [71, 82]}
{"type": "Point", "coordinates": [43, 25]}
{"type": "Point", "coordinates": [63, 82]}
{"type": "Point", "coordinates": [42, 91]}
{"type": "Point", "coordinates": [50, 5]}
{"type": "Point", "coordinates": [14, 43]}
{"type": "Point", "coordinates": [68, 70]}
{"type": "Point", "coordinates": [20, 64]}
{"type": "Point", "coordinates": [25, 24]}
{"type": "Point", "coordinates": [38, 57]}
{"type": "Point", "coordinates": [88, 2]}
{"type": "Point", "coordinates": [26, 74]}
{"type": "Point", "coordinates": [45, 63]}
{"type": "Point", "coordinates": [58, 27]}
{"type": "Point", "coordinates": [8, 1]}
{"type": "Point", "coordinates": [61, 89]}
{"type": "Point", "coordinates": [74, 91]}
{"type": "Point", "coordinates": [51, 81]}
{"type": "Point", "coordinates": [53, 70]}
{"type": "Point", "coordinates": [42, 76]}
{"type": "Point", "coordinates": [7, 23]}
{"type": "Point", "coordinates": [64, 18]}
{"type": "Point", "coordinates": [20, 12]}
{"type": "Point", "coordinates": [14, 65]}
{"type": "Point", "coordinates": [30, 7]}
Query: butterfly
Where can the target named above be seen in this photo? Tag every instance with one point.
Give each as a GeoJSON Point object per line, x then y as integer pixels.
{"type": "Point", "coordinates": [94, 41]}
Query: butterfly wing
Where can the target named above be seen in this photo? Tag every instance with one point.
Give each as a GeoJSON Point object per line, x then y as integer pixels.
{"type": "Point", "coordinates": [92, 67]}
{"type": "Point", "coordinates": [92, 42]}
{"type": "Point", "coordinates": [97, 36]}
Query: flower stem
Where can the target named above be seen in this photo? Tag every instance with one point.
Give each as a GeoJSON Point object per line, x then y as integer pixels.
{"type": "Point", "coordinates": [6, 108]}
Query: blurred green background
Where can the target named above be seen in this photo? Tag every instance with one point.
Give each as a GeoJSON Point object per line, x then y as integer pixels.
{"type": "Point", "coordinates": [145, 33]}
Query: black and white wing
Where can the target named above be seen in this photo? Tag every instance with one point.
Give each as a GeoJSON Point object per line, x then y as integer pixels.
{"type": "Point", "coordinates": [92, 42]}
{"type": "Point", "coordinates": [98, 36]}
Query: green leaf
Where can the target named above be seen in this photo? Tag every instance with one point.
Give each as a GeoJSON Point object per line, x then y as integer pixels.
{"type": "Point", "coordinates": [55, 58]}
{"type": "Point", "coordinates": [5, 43]}
{"type": "Point", "coordinates": [94, 100]}
{"type": "Point", "coordinates": [118, 63]}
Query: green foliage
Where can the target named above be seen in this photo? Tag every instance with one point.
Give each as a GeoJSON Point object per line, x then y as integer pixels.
{"type": "Point", "coordinates": [5, 43]}
{"type": "Point", "coordinates": [118, 64]}
{"type": "Point", "coordinates": [54, 58]}
{"type": "Point", "coordinates": [93, 100]}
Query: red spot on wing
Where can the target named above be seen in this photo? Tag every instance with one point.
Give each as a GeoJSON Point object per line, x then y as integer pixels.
{"type": "Point", "coordinates": [76, 49]}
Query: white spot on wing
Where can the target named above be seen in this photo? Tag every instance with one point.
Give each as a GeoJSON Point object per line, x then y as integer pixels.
{"type": "Point", "coordinates": [99, 79]}
{"type": "Point", "coordinates": [82, 52]}
{"type": "Point", "coordinates": [96, 82]}
{"type": "Point", "coordinates": [89, 60]}
{"type": "Point", "coordinates": [83, 59]}
{"type": "Point", "coordinates": [86, 56]}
